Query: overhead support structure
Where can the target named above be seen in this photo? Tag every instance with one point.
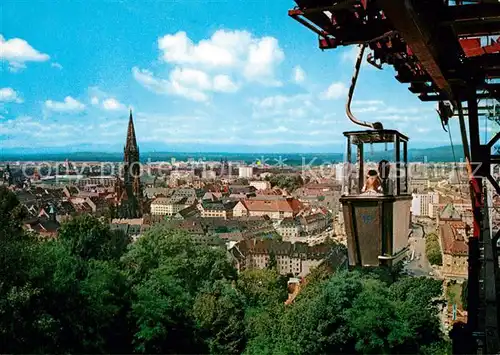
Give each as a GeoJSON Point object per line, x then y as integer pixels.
{"type": "Point", "coordinates": [435, 47]}
{"type": "Point", "coordinates": [419, 38]}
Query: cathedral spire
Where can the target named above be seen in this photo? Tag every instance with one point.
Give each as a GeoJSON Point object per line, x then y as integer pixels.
{"type": "Point", "coordinates": [131, 143]}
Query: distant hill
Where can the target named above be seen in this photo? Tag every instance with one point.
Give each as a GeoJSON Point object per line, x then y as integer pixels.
{"type": "Point", "coordinates": [437, 154]}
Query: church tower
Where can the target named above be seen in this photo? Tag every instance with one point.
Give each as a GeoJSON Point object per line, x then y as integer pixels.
{"type": "Point", "coordinates": [131, 174]}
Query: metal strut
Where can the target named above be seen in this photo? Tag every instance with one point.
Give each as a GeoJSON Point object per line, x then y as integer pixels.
{"type": "Point", "coordinates": [375, 125]}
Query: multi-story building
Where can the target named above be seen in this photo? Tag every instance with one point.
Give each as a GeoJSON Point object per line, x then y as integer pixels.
{"type": "Point", "coordinates": [132, 227]}
{"type": "Point", "coordinates": [289, 229]}
{"type": "Point", "coordinates": [314, 223]}
{"type": "Point", "coordinates": [260, 184]}
{"type": "Point", "coordinates": [217, 209]}
{"type": "Point", "coordinates": [418, 185]}
{"type": "Point", "coordinates": [245, 172]}
{"type": "Point", "coordinates": [152, 192]}
{"type": "Point", "coordinates": [208, 174]}
{"type": "Point", "coordinates": [291, 258]}
{"type": "Point", "coordinates": [169, 206]}
{"type": "Point", "coordinates": [275, 209]}
{"type": "Point", "coordinates": [454, 249]}
{"type": "Point", "coordinates": [420, 204]}
{"type": "Point", "coordinates": [104, 180]}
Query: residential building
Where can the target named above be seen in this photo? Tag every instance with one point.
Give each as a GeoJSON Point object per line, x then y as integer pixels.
{"type": "Point", "coordinates": [188, 212]}
{"type": "Point", "coordinates": [104, 180]}
{"type": "Point", "coordinates": [421, 203]}
{"type": "Point", "coordinates": [152, 192]}
{"type": "Point", "coordinates": [132, 227]}
{"type": "Point", "coordinates": [275, 209]}
{"type": "Point", "coordinates": [419, 185]}
{"type": "Point", "coordinates": [245, 172]}
{"type": "Point", "coordinates": [315, 223]}
{"type": "Point", "coordinates": [208, 174]}
{"type": "Point", "coordinates": [169, 206]}
{"type": "Point", "coordinates": [296, 259]}
{"type": "Point", "coordinates": [453, 238]}
{"type": "Point", "coordinates": [289, 229]}
{"type": "Point", "coordinates": [46, 227]}
{"type": "Point", "coordinates": [217, 209]}
{"type": "Point", "coordinates": [260, 184]}
{"type": "Point", "coordinates": [240, 209]}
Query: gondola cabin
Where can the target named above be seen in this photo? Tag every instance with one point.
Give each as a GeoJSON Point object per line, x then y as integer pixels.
{"type": "Point", "coordinates": [376, 199]}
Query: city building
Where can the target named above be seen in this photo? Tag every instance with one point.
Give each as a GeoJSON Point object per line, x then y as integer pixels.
{"type": "Point", "coordinates": [289, 229]}
{"type": "Point", "coordinates": [315, 223]}
{"type": "Point", "coordinates": [169, 206]}
{"type": "Point", "coordinates": [418, 185]}
{"type": "Point", "coordinates": [245, 172]}
{"type": "Point", "coordinates": [421, 203]}
{"type": "Point", "coordinates": [132, 227]}
{"type": "Point", "coordinates": [274, 208]}
{"type": "Point", "coordinates": [296, 259]}
{"type": "Point", "coordinates": [217, 209]}
{"type": "Point", "coordinates": [260, 184]}
{"type": "Point", "coordinates": [454, 249]}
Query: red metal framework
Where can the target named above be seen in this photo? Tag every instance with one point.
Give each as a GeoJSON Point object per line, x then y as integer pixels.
{"type": "Point", "coordinates": [445, 50]}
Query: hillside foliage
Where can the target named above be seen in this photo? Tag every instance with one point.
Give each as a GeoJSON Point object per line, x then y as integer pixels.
{"type": "Point", "coordinates": [92, 291]}
{"type": "Point", "coordinates": [433, 250]}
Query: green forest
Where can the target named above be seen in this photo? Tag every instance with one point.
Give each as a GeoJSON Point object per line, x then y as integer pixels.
{"type": "Point", "coordinates": [92, 291]}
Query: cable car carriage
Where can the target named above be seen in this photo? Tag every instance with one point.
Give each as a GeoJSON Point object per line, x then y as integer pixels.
{"type": "Point", "coordinates": [376, 201]}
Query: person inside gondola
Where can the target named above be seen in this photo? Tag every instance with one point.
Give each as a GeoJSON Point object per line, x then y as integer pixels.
{"type": "Point", "coordinates": [384, 169]}
{"type": "Point", "coordinates": [373, 185]}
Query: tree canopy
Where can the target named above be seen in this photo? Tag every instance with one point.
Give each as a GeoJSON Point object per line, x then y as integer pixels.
{"type": "Point", "coordinates": [92, 291]}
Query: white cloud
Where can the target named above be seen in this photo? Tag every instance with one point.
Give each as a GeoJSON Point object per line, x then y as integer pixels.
{"type": "Point", "coordinates": [17, 52]}
{"type": "Point", "coordinates": [94, 100]}
{"type": "Point", "coordinates": [223, 83]}
{"type": "Point", "coordinates": [56, 65]}
{"type": "Point", "coordinates": [263, 56]}
{"type": "Point", "coordinates": [225, 50]}
{"type": "Point", "coordinates": [68, 105]}
{"type": "Point", "coordinates": [293, 106]}
{"type": "Point", "coordinates": [366, 109]}
{"type": "Point", "coordinates": [9, 95]}
{"type": "Point", "coordinates": [299, 75]}
{"type": "Point", "coordinates": [423, 130]}
{"type": "Point", "coordinates": [192, 84]}
{"type": "Point", "coordinates": [280, 129]}
{"type": "Point", "coordinates": [351, 54]}
{"type": "Point", "coordinates": [112, 104]}
{"type": "Point", "coordinates": [149, 81]}
{"type": "Point", "coordinates": [335, 91]}
{"type": "Point", "coordinates": [367, 102]}
{"type": "Point", "coordinates": [398, 118]}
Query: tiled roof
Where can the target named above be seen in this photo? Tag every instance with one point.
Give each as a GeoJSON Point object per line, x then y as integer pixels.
{"type": "Point", "coordinates": [272, 205]}
{"type": "Point", "coordinates": [312, 218]}
{"type": "Point", "coordinates": [451, 241]}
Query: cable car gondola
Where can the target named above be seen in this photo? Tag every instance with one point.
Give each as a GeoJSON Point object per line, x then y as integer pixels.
{"type": "Point", "coordinates": [376, 202]}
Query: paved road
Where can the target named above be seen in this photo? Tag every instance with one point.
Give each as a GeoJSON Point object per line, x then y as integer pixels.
{"type": "Point", "coordinates": [419, 266]}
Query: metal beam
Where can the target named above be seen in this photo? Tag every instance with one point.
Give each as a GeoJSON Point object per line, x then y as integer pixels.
{"type": "Point", "coordinates": [420, 88]}
{"type": "Point", "coordinates": [339, 5]}
{"type": "Point", "coordinates": [471, 12]}
{"type": "Point", "coordinates": [477, 28]}
{"type": "Point", "coordinates": [441, 97]}
{"type": "Point", "coordinates": [417, 36]}
{"type": "Point", "coordinates": [477, 209]}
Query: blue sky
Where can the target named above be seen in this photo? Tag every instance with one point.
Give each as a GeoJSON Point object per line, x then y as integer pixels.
{"type": "Point", "coordinates": [198, 75]}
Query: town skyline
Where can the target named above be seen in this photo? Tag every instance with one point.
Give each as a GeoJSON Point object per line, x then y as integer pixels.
{"type": "Point", "coordinates": [235, 83]}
